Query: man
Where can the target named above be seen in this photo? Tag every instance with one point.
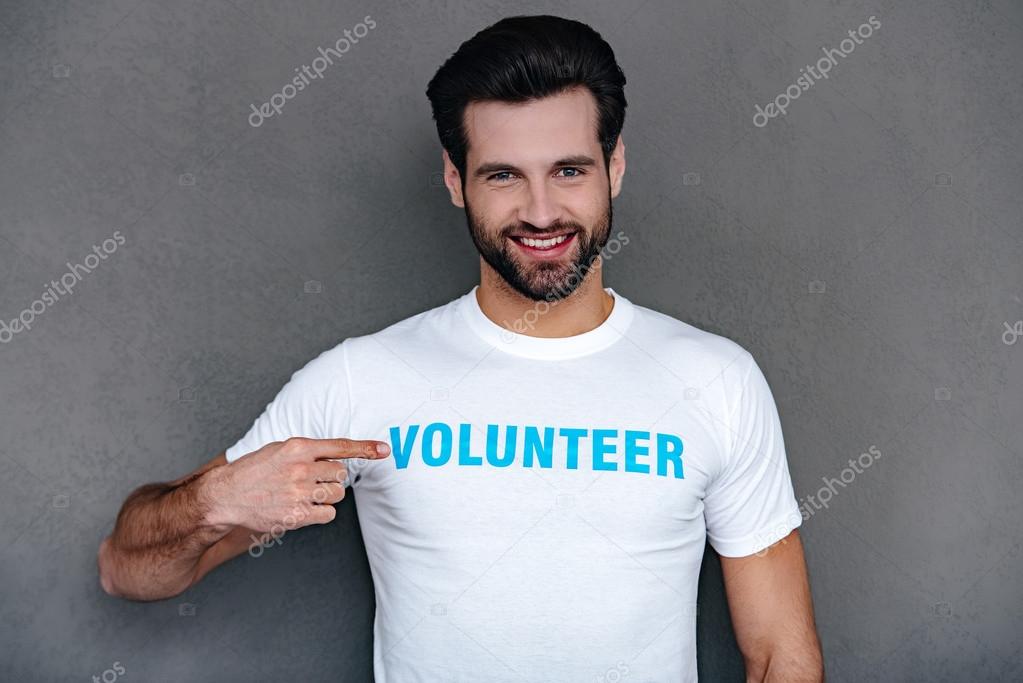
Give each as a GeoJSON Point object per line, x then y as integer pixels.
{"type": "Point", "coordinates": [537, 463]}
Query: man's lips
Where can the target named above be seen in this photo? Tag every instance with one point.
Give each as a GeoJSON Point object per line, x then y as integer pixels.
{"type": "Point", "coordinates": [542, 235]}
{"type": "Point", "coordinates": [545, 245]}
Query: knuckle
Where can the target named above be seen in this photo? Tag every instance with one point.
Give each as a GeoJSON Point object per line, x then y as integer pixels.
{"type": "Point", "coordinates": [295, 443]}
{"type": "Point", "coordinates": [337, 493]}
{"type": "Point", "coordinates": [321, 493]}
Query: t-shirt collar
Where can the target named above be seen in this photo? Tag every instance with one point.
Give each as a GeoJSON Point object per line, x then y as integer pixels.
{"type": "Point", "coordinates": [507, 339]}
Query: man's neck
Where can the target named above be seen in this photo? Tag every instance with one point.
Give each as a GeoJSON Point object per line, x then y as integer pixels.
{"type": "Point", "coordinates": [581, 311]}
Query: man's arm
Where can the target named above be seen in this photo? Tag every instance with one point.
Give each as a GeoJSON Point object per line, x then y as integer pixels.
{"type": "Point", "coordinates": [164, 540]}
{"type": "Point", "coordinates": [772, 613]}
{"type": "Point", "coordinates": [168, 536]}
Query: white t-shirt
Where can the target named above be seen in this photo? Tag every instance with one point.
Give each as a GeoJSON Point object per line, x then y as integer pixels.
{"type": "Point", "coordinates": [543, 513]}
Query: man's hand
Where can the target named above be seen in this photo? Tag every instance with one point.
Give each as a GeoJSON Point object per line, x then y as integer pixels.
{"type": "Point", "coordinates": [293, 482]}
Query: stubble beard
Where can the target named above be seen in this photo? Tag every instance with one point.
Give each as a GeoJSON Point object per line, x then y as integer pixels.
{"type": "Point", "coordinates": [541, 281]}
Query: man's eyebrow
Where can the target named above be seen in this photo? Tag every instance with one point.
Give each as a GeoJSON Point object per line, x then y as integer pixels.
{"type": "Point", "coordinates": [574, 160]}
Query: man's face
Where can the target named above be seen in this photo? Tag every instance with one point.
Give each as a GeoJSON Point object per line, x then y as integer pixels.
{"type": "Point", "coordinates": [537, 194]}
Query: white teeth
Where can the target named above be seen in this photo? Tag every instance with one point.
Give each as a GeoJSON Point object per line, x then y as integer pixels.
{"type": "Point", "coordinates": [543, 244]}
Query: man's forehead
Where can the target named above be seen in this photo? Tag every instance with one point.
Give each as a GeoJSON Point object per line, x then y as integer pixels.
{"type": "Point", "coordinates": [562, 123]}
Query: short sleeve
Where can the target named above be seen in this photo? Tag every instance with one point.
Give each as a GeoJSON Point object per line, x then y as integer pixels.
{"type": "Point", "coordinates": [314, 403]}
{"type": "Point", "coordinates": [750, 504]}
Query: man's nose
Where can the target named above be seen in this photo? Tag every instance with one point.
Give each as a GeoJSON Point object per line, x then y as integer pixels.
{"type": "Point", "coordinates": [540, 209]}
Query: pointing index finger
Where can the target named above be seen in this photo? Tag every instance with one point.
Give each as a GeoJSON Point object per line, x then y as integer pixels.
{"type": "Point", "coordinates": [347, 448]}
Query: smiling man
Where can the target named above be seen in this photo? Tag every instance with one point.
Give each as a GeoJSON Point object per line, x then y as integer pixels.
{"type": "Point", "coordinates": [537, 463]}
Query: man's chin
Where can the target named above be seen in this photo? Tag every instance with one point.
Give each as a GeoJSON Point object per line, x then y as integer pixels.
{"type": "Point", "coordinates": [549, 286]}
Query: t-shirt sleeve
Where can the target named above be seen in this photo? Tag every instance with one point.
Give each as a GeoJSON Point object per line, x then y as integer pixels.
{"type": "Point", "coordinates": [314, 403]}
{"type": "Point", "coordinates": [750, 504]}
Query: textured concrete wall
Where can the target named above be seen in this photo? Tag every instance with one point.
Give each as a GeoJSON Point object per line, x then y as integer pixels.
{"type": "Point", "coordinates": [866, 246]}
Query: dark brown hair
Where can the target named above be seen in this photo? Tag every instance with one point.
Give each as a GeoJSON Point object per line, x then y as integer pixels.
{"type": "Point", "coordinates": [524, 58]}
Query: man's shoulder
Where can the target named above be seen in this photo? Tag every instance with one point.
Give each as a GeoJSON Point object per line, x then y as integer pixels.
{"type": "Point", "coordinates": [677, 342]}
{"type": "Point", "coordinates": [333, 366]}
{"type": "Point", "coordinates": [426, 327]}
{"type": "Point", "coordinates": [427, 323]}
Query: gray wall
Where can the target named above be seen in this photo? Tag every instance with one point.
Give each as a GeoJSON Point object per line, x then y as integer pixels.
{"type": "Point", "coordinates": [866, 247]}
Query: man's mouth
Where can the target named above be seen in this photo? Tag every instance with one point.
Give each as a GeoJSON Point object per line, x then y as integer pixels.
{"type": "Point", "coordinates": [547, 246]}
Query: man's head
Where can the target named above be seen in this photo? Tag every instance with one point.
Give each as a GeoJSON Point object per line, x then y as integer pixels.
{"type": "Point", "coordinates": [530, 112]}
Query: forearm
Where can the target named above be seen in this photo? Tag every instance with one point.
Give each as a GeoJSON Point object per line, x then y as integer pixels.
{"type": "Point", "coordinates": [161, 533]}
{"type": "Point", "coordinates": [796, 664]}
{"type": "Point", "coordinates": [772, 613]}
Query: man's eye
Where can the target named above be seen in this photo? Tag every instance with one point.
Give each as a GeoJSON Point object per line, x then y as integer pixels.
{"type": "Point", "coordinates": [570, 171]}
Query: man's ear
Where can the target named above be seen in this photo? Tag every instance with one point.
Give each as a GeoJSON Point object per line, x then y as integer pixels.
{"type": "Point", "coordinates": [453, 181]}
{"type": "Point", "coordinates": [616, 167]}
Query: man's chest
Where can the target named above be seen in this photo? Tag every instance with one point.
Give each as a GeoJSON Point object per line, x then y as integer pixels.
{"type": "Point", "coordinates": [633, 468]}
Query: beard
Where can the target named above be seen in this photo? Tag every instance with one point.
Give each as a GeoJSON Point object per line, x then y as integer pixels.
{"type": "Point", "coordinates": [544, 280]}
